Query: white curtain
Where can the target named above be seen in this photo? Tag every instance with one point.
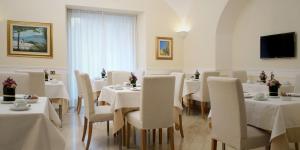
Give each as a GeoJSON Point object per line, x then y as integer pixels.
{"type": "Point", "coordinates": [97, 40]}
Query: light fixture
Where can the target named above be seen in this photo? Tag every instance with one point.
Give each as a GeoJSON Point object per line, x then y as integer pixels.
{"type": "Point", "coordinates": [183, 30]}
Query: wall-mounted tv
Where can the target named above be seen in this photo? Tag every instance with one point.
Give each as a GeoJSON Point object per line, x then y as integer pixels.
{"type": "Point", "coordinates": [278, 45]}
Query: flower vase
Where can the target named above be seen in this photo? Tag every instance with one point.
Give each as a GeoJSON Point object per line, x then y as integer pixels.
{"type": "Point", "coordinates": [9, 94]}
{"type": "Point", "coordinates": [103, 75]}
{"type": "Point", "coordinates": [133, 84]}
{"type": "Point", "coordinates": [197, 76]}
{"type": "Point", "coordinates": [273, 90]}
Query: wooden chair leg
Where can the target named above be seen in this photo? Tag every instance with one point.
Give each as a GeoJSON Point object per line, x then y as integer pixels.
{"type": "Point", "coordinates": [89, 135]}
{"type": "Point", "coordinates": [144, 139]}
{"type": "Point", "coordinates": [84, 128]}
{"type": "Point", "coordinates": [223, 146]}
{"type": "Point", "coordinates": [134, 136]}
{"type": "Point", "coordinates": [79, 104]}
{"type": "Point", "coordinates": [128, 135]}
{"type": "Point", "coordinates": [296, 146]}
{"type": "Point", "coordinates": [189, 105]}
{"type": "Point", "coordinates": [107, 128]}
{"type": "Point", "coordinates": [160, 135]}
{"type": "Point", "coordinates": [154, 135]}
{"type": "Point", "coordinates": [171, 137]}
{"type": "Point", "coordinates": [180, 126]}
{"type": "Point", "coordinates": [203, 107]}
{"type": "Point", "coordinates": [213, 144]}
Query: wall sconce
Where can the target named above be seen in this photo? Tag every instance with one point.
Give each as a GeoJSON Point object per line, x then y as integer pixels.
{"type": "Point", "coordinates": [183, 31]}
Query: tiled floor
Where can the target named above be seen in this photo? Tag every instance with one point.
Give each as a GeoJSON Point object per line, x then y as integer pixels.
{"type": "Point", "coordinates": [196, 130]}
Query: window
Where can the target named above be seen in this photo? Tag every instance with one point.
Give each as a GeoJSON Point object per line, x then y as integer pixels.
{"type": "Point", "coordinates": [97, 40]}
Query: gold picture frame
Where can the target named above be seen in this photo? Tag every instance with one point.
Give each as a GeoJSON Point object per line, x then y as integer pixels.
{"type": "Point", "coordinates": [29, 39]}
{"type": "Point", "coordinates": [164, 48]}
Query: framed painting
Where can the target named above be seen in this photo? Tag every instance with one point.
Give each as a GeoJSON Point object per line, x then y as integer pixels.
{"type": "Point", "coordinates": [29, 39]}
{"type": "Point", "coordinates": [164, 48]}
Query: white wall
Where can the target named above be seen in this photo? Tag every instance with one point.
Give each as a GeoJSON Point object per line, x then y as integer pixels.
{"type": "Point", "coordinates": [156, 18]}
{"type": "Point", "coordinates": [199, 45]}
{"type": "Point", "coordinates": [264, 17]}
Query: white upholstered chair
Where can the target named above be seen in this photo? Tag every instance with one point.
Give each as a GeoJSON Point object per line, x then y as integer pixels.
{"type": "Point", "coordinates": [117, 77]}
{"type": "Point", "coordinates": [92, 113]}
{"type": "Point", "coordinates": [156, 110]}
{"type": "Point", "coordinates": [297, 84]}
{"type": "Point", "coordinates": [37, 83]}
{"type": "Point", "coordinates": [79, 91]}
{"type": "Point", "coordinates": [179, 80]}
{"type": "Point", "coordinates": [228, 116]}
{"type": "Point", "coordinates": [240, 74]}
{"type": "Point", "coordinates": [203, 94]}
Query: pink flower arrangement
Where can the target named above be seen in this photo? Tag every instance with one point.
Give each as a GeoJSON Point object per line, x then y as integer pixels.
{"type": "Point", "coordinates": [9, 83]}
{"type": "Point", "coordinates": [274, 82]}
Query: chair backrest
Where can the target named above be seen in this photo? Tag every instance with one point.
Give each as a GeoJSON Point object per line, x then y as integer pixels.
{"type": "Point", "coordinates": [179, 80]}
{"type": "Point", "coordinates": [157, 101]}
{"type": "Point", "coordinates": [117, 77]}
{"type": "Point", "coordinates": [297, 84]}
{"type": "Point", "coordinates": [37, 83]}
{"type": "Point", "coordinates": [240, 74]}
{"type": "Point", "coordinates": [87, 92]}
{"type": "Point", "coordinates": [79, 86]}
{"type": "Point", "coordinates": [228, 111]}
{"type": "Point", "coordinates": [204, 94]}
{"type": "Point", "coordinates": [22, 80]}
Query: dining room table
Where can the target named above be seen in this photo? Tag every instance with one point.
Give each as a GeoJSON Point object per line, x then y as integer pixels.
{"type": "Point", "coordinates": [35, 128]}
{"type": "Point", "coordinates": [278, 115]}
{"type": "Point", "coordinates": [99, 83]}
{"type": "Point", "coordinates": [57, 93]}
{"type": "Point", "coordinates": [124, 99]}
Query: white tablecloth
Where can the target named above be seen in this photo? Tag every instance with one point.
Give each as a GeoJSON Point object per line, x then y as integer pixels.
{"type": "Point", "coordinates": [98, 84]}
{"type": "Point", "coordinates": [255, 88]}
{"type": "Point", "coordinates": [118, 99]}
{"type": "Point", "coordinates": [190, 86]}
{"type": "Point", "coordinates": [123, 99]}
{"type": "Point", "coordinates": [56, 90]}
{"type": "Point", "coordinates": [274, 114]}
{"type": "Point", "coordinates": [32, 129]}
{"type": "Point", "coordinates": [263, 88]}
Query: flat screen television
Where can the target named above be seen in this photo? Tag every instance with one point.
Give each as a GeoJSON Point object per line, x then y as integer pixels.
{"type": "Point", "coordinates": [278, 46]}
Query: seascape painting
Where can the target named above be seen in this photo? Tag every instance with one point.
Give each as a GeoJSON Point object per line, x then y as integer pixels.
{"type": "Point", "coordinates": [29, 39]}
{"type": "Point", "coordinates": [164, 48]}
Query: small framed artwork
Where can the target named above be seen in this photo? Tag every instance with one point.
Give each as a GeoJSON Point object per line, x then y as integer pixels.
{"type": "Point", "coordinates": [29, 39]}
{"type": "Point", "coordinates": [164, 48]}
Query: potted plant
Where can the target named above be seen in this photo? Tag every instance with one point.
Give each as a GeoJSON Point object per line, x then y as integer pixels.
{"type": "Point", "coordinates": [133, 79]}
{"type": "Point", "coordinates": [9, 89]}
{"type": "Point", "coordinates": [103, 73]}
{"type": "Point", "coordinates": [197, 74]}
{"type": "Point", "coordinates": [274, 85]}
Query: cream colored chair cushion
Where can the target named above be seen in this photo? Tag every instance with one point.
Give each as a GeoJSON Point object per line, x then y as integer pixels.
{"type": "Point", "coordinates": [179, 79]}
{"type": "Point", "coordinates": [203, 94]}
{"type": "Point", "coordinates": [102, 113]}
{"type": "Point", "coordinates": [156, 110]}
{"type": "Point", "coordinates": [240, 74]}
{"type": "Point", "coordinates": [98, 114]}
{"type": "Point", "coordinates": [79, 90]}
{"type": "Point", "coordinates": [117, 77]}
{"type": "Point", "coordinates": [297, 84]}
{"type": "Point", "coordinates": [228, 115]}
{"type": "Point", "coordinates": [256, 137]}
{"type": "Point", "coordinates": [37, 83]}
